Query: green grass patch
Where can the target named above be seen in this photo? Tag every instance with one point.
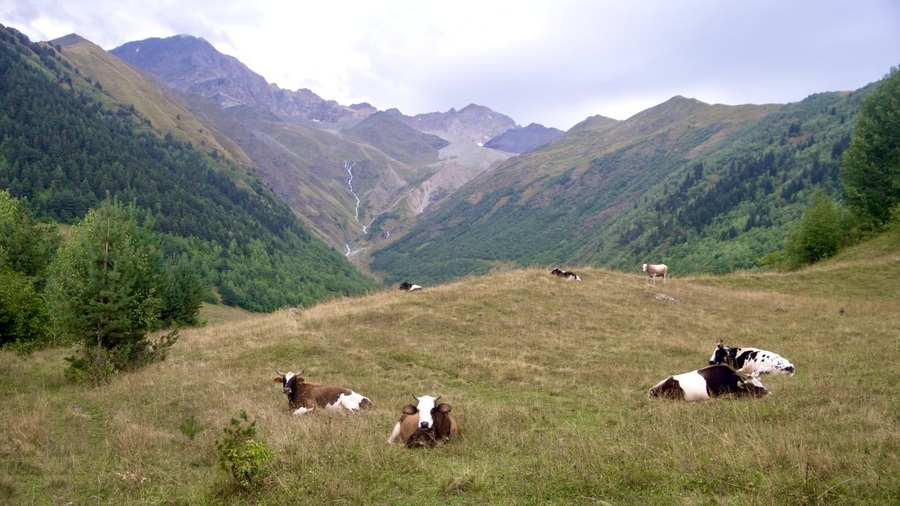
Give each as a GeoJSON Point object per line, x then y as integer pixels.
{"type": "Point", "coordinates": [548, 381]}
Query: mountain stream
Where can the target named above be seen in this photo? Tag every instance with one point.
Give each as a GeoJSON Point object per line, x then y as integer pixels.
{"type": "Point", "coordinates": [349, 166]}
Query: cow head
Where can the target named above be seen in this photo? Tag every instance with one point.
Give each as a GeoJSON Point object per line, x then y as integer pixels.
{"type": "Point", "coordinates": [427, 407]}
{"type": "Point", "coordinates": [289, 381]}
{"type": "Point", "coordinates": [722, 355]}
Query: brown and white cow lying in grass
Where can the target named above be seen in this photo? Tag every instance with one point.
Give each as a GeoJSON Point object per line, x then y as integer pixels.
{"type": "Point", "coordinates": [304, 397]}
{"type": "Point", "coordinates": [656, 271]}
{"type": "Point", "coordinates": [406, 286]}
{"type": "Point", "coordinates": [425, 424]}
{"type": "Point", "coordinates": [571, 276]}
{"type": "Point", "coordinates": [707, 383]}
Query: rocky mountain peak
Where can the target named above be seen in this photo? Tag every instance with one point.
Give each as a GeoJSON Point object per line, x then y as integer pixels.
{"type": "Point", "coordinates": [69, 40]}
{"type": "Point", "coordinates": [474, 123]}
{"type": "Point", "coordinates": [192, 65]}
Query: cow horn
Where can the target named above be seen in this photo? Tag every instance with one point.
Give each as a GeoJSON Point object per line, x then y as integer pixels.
{"type": "Point", "coordinates": [301, 372]}
{"type": "Point", "coordinates": [279, 373]}
{"type": "Point", "coordinates": [436, 399]}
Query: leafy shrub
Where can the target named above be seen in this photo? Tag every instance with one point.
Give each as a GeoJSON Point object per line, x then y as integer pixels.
{"type": "Point", "coordinates": [26, 249]}
{"type": "Point", "coordinates": [22, 313]}
{"type": "Point", "coordinates": [241, 455]}
{"type": "Point", "coordinates": [820, 233]}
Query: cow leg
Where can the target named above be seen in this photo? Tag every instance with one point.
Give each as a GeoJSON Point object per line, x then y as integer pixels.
{"type": "Point", "coordinates": [394, 434]}
{"type": "Point", "coordinates": [352, 402]}
{"type": "Point", "coordinates": [302, 411]}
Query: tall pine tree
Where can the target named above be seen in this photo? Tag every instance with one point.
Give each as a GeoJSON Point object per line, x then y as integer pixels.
{"type": "Point", "coordinates": [102, 291]}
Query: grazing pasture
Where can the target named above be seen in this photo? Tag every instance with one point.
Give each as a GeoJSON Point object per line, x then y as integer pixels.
{"type": "Point", "coordinates": [548, 383]}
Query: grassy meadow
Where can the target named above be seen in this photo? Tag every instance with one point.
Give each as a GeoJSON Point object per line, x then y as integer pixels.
{"type": "Point", "coordinates": [548, 380]}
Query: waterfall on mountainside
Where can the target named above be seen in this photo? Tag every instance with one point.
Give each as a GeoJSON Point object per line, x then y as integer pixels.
{"type": "Point", "coordinates": [349, 167]}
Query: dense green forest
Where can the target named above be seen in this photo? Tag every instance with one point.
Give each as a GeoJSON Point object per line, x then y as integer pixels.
{"type": "Point", "coordinates": [64, 146]}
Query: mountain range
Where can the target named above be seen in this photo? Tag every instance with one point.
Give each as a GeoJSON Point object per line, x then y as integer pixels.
{"type": "Point", "coordinates": [339, 167]}
{"type": "Point", "coordinates": [436, 196]}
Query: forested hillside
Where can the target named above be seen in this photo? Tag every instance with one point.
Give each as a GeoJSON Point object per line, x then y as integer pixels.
{"type": "Point", "coordinates": [703, 188]}
{"type": "Point", "coordinates": [65, 145]}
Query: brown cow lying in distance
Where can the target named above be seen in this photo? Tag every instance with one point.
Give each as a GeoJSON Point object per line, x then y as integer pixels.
{"type": "Point", "coordinates": [425, 424]}
{"type": "Point", "coordinates": [304, 397]}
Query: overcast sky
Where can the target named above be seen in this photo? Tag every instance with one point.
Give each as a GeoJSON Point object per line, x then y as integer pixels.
{"type": "Point", "coordinates": [552, 62]}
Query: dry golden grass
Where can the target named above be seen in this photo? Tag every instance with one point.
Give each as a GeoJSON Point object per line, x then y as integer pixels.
{"type": "Point", "coordinates": [548, 380]}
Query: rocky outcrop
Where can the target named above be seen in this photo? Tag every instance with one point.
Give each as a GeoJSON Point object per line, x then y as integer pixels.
{"type": "Point", "coordinates": [475, 123]}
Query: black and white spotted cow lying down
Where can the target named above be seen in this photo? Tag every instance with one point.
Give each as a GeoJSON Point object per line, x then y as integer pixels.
{"type": "Point", "coordinates": [752, 361]}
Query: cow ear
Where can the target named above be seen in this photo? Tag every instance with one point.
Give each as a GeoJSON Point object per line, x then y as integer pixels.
{"type": "Point", "coordinates": [409, 409]}
{"type": "Point", "coordinates": [279, 379]}
{"type": "Point", "coordinates": [444, 408]}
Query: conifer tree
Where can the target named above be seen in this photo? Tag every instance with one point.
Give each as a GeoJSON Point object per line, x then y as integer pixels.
{"type": "Point", "coordinates": [102, 291]}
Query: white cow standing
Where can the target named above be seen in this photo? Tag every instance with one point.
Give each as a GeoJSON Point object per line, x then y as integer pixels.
{"type": "Point", "coordinates": [656, 271]}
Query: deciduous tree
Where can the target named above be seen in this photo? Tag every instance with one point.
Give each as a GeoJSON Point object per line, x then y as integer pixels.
{"type": "Point", "coordinates": [870, 171]}
{"type": "Point", "coordinates": [819, 233]}
{"type": "Point", "coordinates": [26, 249]}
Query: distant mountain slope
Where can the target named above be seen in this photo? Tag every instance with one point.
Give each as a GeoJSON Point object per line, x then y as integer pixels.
{"type": "Point", "coordinates": [160, 108]}
{"type": "Point", "coordinates": [66, 143]}
{"type": "Point", "coordinates": [704, 188]}
{"type": "Point", "coordinates": [520, 140]}
{"type": "Point", "coordinates": [393, 137]}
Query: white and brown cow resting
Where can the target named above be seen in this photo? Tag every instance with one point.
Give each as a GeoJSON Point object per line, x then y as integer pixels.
{"type": "Point", "coordinates": [571, 276]}
{"type": "Point", "coordinates": [304, 397]}
{"type": "Point", "coordinates": [427, 424]}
